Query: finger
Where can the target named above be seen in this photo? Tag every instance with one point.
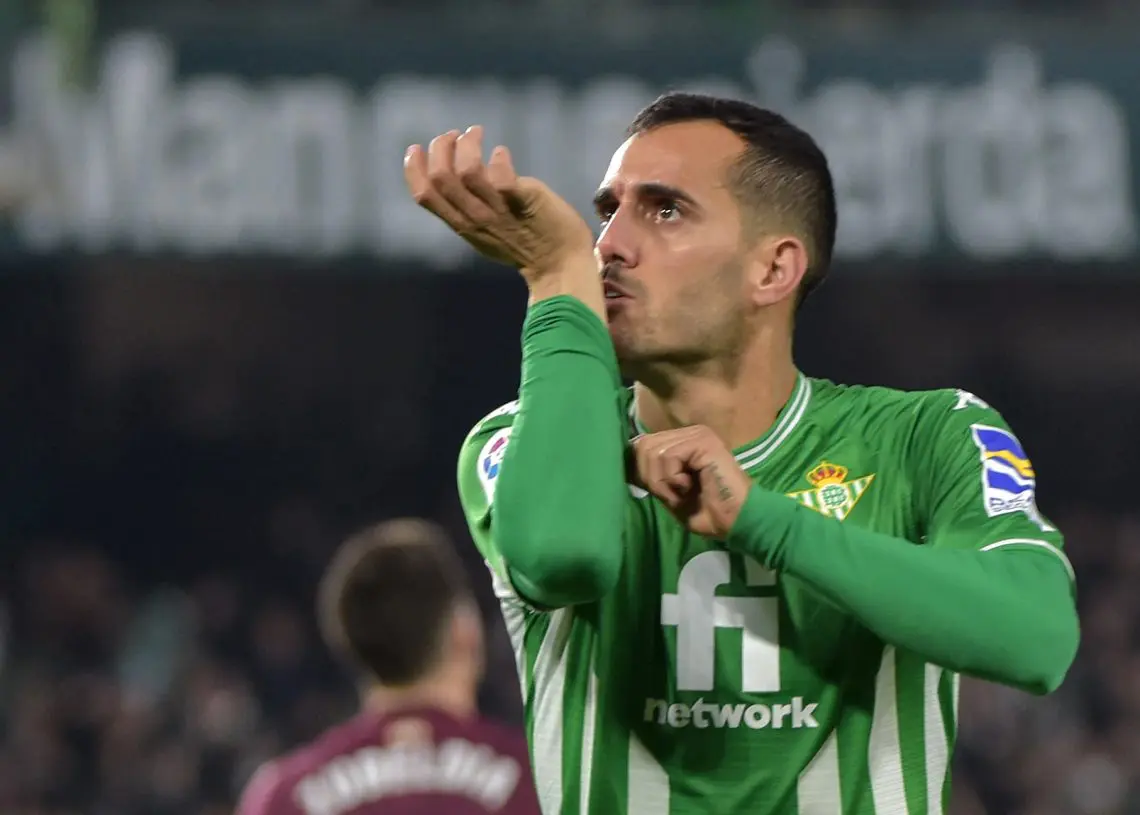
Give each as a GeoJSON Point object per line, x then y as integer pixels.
{"type": "Point", "coordinates": [662, 439]}
{"type": "Point", "coordinates": [424, 192]}
{"type": "Point", "coordinates": [647, 468]}
{"type": "Point", "coordinates": [676, 469]}
{"type": "Point", "coordinates": [472, 172]}
{"type": "Point", "coordinates": [441, 156]}
{"type": "Point", "coordinates": [415, 173]}
{"type": "Point", "coordinates": [662, 472]}
{"type": "Point", "coordinates": [441, 171]}
{"type": "Point", "coordinates": [683, 455]}
{"type": "Point", "coordinates": [518, 193]}
{"type": "Point", "coordinates": [676, 449]}
{"type": "Point", "coordinates": [671, 476]}
{"type": "Point", "coordinates": [501, 171]}
{"type": "Point", "coordinates": [681, 484]}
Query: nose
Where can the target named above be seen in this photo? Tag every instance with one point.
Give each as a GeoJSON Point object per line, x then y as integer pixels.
{"type": "Point", "coordinates": [618, 241]}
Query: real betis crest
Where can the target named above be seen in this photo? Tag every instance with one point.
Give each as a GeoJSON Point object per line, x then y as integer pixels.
{"type": "Point", "coordinates": [831, 493]}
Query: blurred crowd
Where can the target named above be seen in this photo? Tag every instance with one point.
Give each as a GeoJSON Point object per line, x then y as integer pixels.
{"type": "Point", "coordinates": [1077, 751]}
{"type": "Point", "coordinates": [162, 701]}
{"type": "Point", "coordinates": [160, 543]}
{"type": "Point", "coordinates": [149, 667]}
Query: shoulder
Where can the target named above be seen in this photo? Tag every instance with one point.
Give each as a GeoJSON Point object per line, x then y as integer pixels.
{"type": "Point", "coordinates": [272, 787]}
{"type": "Point", "coordinates": [500, 417]}
{"type": "Point", "coordinates": [878, 404]}
{"type": "Point", "coordinates": [482, 452]}
{"type": "Point", "coordinates": [492, 427]}
{"type": "Point", "coordinates": [944, 421]}
{"type": "Point", "coordinates": [894, 403]}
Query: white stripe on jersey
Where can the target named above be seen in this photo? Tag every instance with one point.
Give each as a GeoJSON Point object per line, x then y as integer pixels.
{"type": "Point", "coordinates": [797, 407]}
{"type": "Point", "coordinates": [549, 693]}
{"type": "Point", "coordinates": [514, 618]}
{"type": "Point", "coordinates": [590, 714]}
{"type": "Point", "coordinates": [648, 792]}
{"type": "Point", "coordinates": [1035, 542]}
{"type": "Point", "coordinates": [817, 792]}
{"type": "Point", "coordinates": [884, 753]}
{"type": "Point", "coordinates": [934, 736]}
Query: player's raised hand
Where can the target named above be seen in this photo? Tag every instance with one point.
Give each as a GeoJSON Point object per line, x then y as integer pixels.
{"type": "Point", "coordinates": [508, 218]}
{"type": "Point", "coordinates": [695, 475]}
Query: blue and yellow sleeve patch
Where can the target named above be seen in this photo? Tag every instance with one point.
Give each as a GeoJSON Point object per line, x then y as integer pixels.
{"type": "Point", "coordinates": [1008, 480]}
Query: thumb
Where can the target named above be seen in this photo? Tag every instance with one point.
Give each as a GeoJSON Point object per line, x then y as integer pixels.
{"type": "Point", "coordinates": [527, 196]}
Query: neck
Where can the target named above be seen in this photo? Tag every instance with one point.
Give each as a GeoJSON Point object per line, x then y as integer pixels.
{"type": "Point", "coordinates": [738, 403]}
{"type": "Point", "coordinates": [444, 692]}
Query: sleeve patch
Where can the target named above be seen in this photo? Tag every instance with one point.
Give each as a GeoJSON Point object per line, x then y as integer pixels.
{"type": "Point", "coordinates": [490, 461]}
{"type": "Point", "coordinates": [1009, 483]}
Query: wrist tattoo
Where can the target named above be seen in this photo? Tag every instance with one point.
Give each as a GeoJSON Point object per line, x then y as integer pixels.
{"type": "Point", "coordinates": [722, 488]}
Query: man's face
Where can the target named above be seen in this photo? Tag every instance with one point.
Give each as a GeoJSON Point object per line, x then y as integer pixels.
{"type": "Point", "coordinates": [671, 247]}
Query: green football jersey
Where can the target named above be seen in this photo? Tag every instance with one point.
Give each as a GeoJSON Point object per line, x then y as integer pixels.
{"type": "Point", "coordinates": [705, 683]}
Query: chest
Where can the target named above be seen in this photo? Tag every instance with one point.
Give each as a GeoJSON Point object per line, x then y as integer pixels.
{"type": "Point", "coordinates": [718, 620]}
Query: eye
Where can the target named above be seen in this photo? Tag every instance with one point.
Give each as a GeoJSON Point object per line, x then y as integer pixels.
{"type": "Point", "coordinates": [667, 212]}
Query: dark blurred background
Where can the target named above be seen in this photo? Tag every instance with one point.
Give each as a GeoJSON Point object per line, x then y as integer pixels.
{"type": "Point", "coordinates": [227, 338]}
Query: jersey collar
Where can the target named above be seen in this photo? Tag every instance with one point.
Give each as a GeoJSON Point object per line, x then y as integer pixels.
{"type": "Point", "coordinates": [758, 451]}
{"type": "Point", "coordinates": [750, 455]}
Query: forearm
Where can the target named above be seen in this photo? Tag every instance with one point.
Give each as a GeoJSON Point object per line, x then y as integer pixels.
{"type": "Point", "coordinates": [1006, 615]}
{"type": "Point", "coordinates": [559, 501]}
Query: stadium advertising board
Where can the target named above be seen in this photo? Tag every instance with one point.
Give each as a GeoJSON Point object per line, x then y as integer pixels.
{"type": "Point", "coordinates": [942, 149]}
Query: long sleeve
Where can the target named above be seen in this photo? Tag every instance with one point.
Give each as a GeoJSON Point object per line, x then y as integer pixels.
{"type": "Point", "coordinates": [989, 593]}
{"type": "Point", "coordinates": [544, 492]}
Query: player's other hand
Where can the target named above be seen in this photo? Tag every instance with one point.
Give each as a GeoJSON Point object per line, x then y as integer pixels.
{"type": "Point", "coordinates": [512, 219]}
{"type": "Point", "coordinates": [695, 475]}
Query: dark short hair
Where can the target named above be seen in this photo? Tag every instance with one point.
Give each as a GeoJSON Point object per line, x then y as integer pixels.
{"type": "Point", "coordinates": [387, 598]}
{"type": "Point", "coordinates": [782, 171]}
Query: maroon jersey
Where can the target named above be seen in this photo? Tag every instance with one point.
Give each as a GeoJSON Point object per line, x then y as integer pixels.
{"type": "Point", "coordinates": [415, 762]}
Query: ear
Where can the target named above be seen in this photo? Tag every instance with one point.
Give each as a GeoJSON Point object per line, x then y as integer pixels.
{"type": "Point", "coordinates": [776, 267]}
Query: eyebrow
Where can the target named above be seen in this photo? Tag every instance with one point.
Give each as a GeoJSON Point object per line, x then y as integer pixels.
{"type": "Point", "coordinates": [648, 189]}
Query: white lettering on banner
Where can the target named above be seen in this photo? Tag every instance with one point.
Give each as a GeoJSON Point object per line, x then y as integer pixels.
{"type": "Point", "coordinates": [1006, 166]}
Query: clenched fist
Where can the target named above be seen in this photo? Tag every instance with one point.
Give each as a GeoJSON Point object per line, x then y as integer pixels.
{"type": "Point", "coordinates": [518, 221]}
{"type": "Point", "coordinates": [695, 475]}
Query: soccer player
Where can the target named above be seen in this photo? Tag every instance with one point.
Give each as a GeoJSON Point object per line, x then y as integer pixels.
{"type": "Point", "coordinates": [395, 602]}
{"type": "Point", "coordinates": [733, 588]}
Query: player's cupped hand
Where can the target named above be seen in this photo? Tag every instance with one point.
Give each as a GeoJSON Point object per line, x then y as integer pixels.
{"type": "Point", "coordinates": [513, 219]}
{"type": "Point", "coordinates": [695, 475]}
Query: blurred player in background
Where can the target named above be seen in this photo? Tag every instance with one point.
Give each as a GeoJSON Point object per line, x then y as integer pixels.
{"type": "Point", "coordinates": [395, 604]}
{"type": "Point", "coordinates": [772, 616]}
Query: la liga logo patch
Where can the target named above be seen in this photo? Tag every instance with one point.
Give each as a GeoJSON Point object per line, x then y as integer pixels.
{"type": "Point", "coordinates": [491, 460]}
